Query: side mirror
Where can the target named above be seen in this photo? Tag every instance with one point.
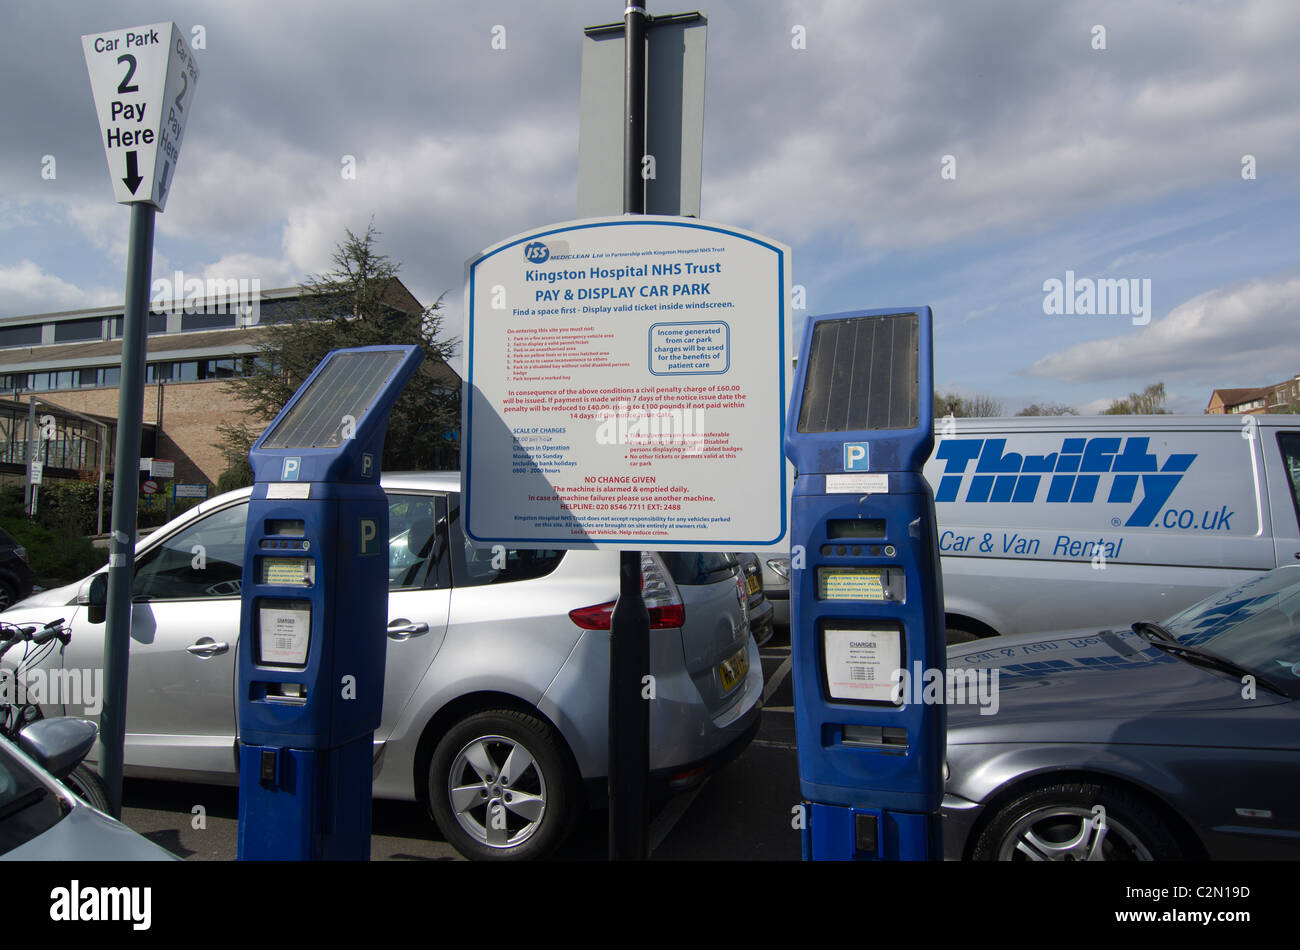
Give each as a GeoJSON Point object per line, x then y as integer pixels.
{"type": "Point", "coordinates": [97, 602]}
{"type": "Point", "coordinates": [59, 744]}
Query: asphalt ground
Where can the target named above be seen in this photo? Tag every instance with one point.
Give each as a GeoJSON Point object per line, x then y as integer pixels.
{"type": "Point", "coordinates": [742, 812]}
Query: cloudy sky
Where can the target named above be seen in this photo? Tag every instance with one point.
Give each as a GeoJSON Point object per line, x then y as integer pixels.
{"type": "Point", "coordinates": [963, 155]}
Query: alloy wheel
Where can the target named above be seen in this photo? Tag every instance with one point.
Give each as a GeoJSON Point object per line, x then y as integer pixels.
{"type": "Point", "coordinates": [1071, 833]}
{"type": "Point", "coordinates": [497, 791]}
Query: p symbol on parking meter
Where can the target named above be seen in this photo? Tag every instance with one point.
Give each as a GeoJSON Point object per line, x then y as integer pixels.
{"type": "Point", "coordinates": [857, 457]}
{"type": "Point", "coordinates": [291, 468]}
{"type": "Point", "coordinates": [367, 536]}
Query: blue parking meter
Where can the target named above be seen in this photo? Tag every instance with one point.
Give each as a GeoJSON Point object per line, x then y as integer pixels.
{"type": "Point", "coordinates": [315, 608]}
{"type": "Point", "coordinates": [866, 624]}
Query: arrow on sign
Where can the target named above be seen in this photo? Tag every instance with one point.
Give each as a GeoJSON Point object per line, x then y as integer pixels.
{"type": "Point", "coordinates": [162, 182]}
{"type": "Point", "coordinates": [132, 179]}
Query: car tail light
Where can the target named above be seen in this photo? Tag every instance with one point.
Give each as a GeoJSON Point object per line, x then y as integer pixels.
{"type": "Point", "coordinates": [662, 601]}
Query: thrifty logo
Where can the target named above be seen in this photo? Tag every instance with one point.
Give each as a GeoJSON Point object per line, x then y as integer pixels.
{"type": "Point", "coordinates": [1073, 474]}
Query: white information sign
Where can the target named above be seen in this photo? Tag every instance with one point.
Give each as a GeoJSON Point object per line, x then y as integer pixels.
{"type": "Point", "coordinates": [862, 664]}
{"type": "Point", "coordinates": [143, 79]}
{"type": "Point", "coordinates": [627, 387]}
{"type": "Point", "coordinates": [38, 468]}
{"type": "Point", "coordinates": [162, 468]}
{"type": "Point", "coordinates": [854, 483]}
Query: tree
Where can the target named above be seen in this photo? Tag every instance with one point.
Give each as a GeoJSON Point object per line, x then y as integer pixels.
{"type": "Point", "coordinates": [355, 304]}
{"type": "Point", "coordinates": [1048, 409]}
{"type": "Point", "coordinates": [978, 405]}
{"type": "Point", "coordinates": [1149, 402]}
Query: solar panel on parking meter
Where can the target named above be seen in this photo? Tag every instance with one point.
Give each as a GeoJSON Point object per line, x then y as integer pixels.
{"type": "Point", "coordinates": [866, 599]}
{"type": "Point", "coordinates": [315, 605]}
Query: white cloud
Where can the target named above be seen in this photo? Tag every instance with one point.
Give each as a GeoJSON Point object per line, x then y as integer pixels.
{"type": "Point", "coordinates": [1244, 335]}
{"type": "Point", "coordinates": [852, 130]}
{"type": "Point", "coordinates": [25, 289]}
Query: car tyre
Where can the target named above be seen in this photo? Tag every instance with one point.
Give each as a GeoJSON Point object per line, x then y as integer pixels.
{"type": "Point", "coordinates": [86, 784]}
{"type": "Point", "coordinates": [485, 812]}
{"type": "Point", "coordinates": [1077, 822]}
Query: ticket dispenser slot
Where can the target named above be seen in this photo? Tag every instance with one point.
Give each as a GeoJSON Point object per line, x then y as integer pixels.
{"type": "Point", "coordinates": [866, 596]}
{"type": "Point", "coordinates": [315, 611]}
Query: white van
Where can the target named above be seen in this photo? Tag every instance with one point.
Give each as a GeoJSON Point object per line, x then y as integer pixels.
{"type": "Point", "coordinates": [1063, 523]}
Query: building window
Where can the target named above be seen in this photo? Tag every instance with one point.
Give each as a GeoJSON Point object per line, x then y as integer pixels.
{"type": "Point", "coordinates": [217, 369]}
{"type": "Point", "coordinates": [157, 324]}
{"type": "Point", "coordinates": [26, 335]}
{"type": "Point", "coordinates": [206, 321]}
{"type": "Point", "coordinates": [77, 331]}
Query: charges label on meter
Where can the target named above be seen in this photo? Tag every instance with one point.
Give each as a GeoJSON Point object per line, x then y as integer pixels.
{"type": "Point", "coordinates": [284, 632]}
{"type": "Point", "coordinates": [862, 665]}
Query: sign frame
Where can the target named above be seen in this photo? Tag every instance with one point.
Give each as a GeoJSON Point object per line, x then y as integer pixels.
{"type": "Point", "coordinates": [776, 257]}
{"type": "Point", "coordinates": [143, 87]}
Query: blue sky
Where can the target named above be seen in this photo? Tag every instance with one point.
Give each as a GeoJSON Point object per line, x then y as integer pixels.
{"type": "Point", "coordinates": [1122, 162]}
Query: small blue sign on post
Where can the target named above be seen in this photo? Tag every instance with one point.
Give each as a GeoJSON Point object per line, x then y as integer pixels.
{"type": "Point", "coordinates": [315, 605]}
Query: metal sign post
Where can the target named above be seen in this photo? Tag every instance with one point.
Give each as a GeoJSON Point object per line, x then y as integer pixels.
{"type": "Point", "coordinates": [629, 632]}
{"type": "Point", "coordinates": [143, 79]}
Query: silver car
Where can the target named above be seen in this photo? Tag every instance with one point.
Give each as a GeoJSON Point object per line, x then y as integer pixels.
{"type": "Point", "coordinates": [40, 818]}
{"type": "Point", "coordinates": [489, 659]}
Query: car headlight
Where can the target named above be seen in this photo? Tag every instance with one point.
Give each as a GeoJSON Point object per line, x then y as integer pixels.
{"type": "Point", "coordinates": [781, 565]}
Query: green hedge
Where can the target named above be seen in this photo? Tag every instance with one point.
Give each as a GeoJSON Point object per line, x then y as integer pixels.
{"type": "Point", "coordinates": [56, 557]}
{"type": "Point", "coordinates": [57, 541]}
{"type": "Point", "coordinates": [69, 507]}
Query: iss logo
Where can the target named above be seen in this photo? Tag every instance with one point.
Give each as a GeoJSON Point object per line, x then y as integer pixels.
{"type": "Point", "coordinates": [536, 252]}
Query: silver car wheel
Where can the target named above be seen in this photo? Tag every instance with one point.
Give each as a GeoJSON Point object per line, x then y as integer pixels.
{"type": "Point", "coordinates": [497, 791]}
{"type": "Point", "coordinates": [1070, 833]}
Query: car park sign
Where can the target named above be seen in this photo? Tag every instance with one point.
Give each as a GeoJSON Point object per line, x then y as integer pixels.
{"type": "Point", "coordinates": [143, 79]}
{"type": "Point", "coordinates": [626, 386]}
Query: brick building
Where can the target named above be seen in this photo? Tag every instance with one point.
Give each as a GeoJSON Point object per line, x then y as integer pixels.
{"type": "Point", "coordinates": [73, 360]}
{"type": "Point", "coordinates": [1278, 397]}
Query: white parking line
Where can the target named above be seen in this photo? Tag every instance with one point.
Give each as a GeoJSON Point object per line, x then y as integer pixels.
{"type": "Point", "coordinates": [777, 679]}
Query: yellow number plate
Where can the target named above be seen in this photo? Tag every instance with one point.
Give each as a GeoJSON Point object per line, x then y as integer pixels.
{"type": "Point", "coordinates": [753, 583]}
{"type": "Point", "coordinates": [734, 669]}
